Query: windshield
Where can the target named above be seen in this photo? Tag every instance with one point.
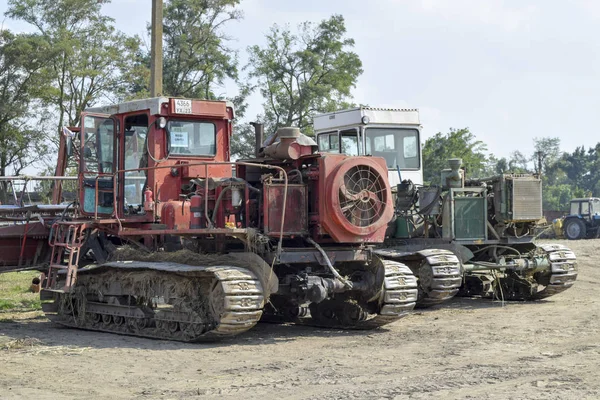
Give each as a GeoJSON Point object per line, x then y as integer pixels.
{"type": "Point", "coordinates": [192, 138]}
{"type": "Point", "coordinates": [397, 146]}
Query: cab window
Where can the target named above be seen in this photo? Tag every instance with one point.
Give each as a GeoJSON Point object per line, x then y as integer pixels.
{"type": "Point", "coordinates": [399, 147]}
{"type": "Point", "coordinates": [192, 138]}
{"type": "Point", "coordinates": [349, 143]}
{"type": "Point", "coordinates": [328, 142]}
{"type": "Point", "coordinates": [98, 144]}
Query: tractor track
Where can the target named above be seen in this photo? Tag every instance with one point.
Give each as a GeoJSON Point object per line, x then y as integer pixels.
{"type": "Point", "coordinates": [161, 301]}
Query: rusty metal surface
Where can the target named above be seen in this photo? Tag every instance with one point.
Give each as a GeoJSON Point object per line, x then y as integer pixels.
{"type": "Point", "coordinates": [296, 222]}
{"type": "Point", "coordinates": [159, 266]}
{"type": "Point", "coordinates": [308, 256]}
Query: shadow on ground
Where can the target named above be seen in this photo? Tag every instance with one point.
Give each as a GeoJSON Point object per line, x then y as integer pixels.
{"type": "Point", "coordinates": [51, 334]}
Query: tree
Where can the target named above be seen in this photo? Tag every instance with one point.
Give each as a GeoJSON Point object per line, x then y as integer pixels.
{"type": "Point", "coordinates": [302, 74]}
{"type": "Point", "coordinates": [501, 166]}
{"type": "Point", "coordinates": [196, 57]}
{"type": "Point", "coordinates": [22, 78]}
{"type": "Point", "coordinates": [518, 163]}
{"type": "Point", "coordinates": [558, 197]}
{"type": "Point", "coordinates": [457, 143]}
{"type": "Point", "coordinates": [547, 152]}
{"type": "Point", "coordinates": [242, 141]}
{"type": "Point", "coordinates": [591, 179]}
{"type": "Point", "coordinates": [576, 166]}
{"type": "Point", "coordinates": [88, 56]}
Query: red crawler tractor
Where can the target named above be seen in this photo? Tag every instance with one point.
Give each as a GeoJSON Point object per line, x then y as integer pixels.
{"type": "Point", "coordinates": [169, 239]}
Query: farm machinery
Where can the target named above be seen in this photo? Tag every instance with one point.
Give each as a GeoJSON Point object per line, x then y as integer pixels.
{"type": "Point", "coordinates": [167, 238]}
{"type": "Point", "coordinates": [487, 223]}
{"type": "Point", "coordinates": [583, 220]}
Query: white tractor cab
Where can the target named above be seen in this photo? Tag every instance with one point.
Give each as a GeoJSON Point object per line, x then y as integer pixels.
{"type": "Point", "coordinates": [393, 134]}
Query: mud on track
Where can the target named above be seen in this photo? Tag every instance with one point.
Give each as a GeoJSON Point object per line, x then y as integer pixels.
{"type": "Point", "coordinates": [466, 349]}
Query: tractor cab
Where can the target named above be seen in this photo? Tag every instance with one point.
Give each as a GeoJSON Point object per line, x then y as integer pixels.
{"type": "Point", "coordinates": [131, 153]}
{"type": "Point", "coordinates": [393, 134]}
{"type": "Point", "coordinates": [585, 207]}
{"type": "Point", "coordinates": [583, 220]}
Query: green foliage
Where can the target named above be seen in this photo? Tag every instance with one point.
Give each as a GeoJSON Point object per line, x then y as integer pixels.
{"type": "Point", "coordinates": [518, 163]}
{"type": "Point", "coordinates": [582, 169]}
{"type": "Point", "coordinates": [547, 153]}
{"type": "Point", "coordinates": [88, 56]}
{"type": "Point", "coordinates": [242, 144]}
{"type": "Point", "coordinates": [558, 197]}
{"type": "Point", "coordinates": [300, 74]}
{"type": "Point", "coordinates": [457, 143]}
{"type": "Point", "coordinates": [196, 56]}
{"type": "Point", "coordinates": [242, 141]}
{"type": "Point", "coordinates": [22, 75]}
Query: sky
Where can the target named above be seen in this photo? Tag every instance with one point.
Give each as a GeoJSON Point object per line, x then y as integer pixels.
{"type": "Point", "coordinates": [508, 70]}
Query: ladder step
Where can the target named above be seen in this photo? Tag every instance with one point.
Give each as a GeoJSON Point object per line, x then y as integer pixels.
{"type": "Point", "coordinates": [58, 266]}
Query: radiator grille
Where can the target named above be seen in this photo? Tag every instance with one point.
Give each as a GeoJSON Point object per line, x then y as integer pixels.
{"type": "Point", "coordinates": [527, 199]}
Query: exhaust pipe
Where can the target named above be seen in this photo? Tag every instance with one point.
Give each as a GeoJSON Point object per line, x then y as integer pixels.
{"type": "Point", "coordinates": [259, 130]}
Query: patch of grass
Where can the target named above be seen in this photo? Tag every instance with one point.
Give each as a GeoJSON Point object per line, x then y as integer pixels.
{"type": "Point", "coordinates": [15, 295]}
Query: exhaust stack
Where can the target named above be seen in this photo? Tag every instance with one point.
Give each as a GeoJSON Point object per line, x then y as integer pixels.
{"type": "Point", "coordinates": [259, 130]}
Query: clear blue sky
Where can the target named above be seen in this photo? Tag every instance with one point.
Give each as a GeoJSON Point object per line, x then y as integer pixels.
{"type": "Point", "coordinates": [509, 70]}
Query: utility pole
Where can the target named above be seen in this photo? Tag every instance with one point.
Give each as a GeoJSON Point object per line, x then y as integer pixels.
{"type": "Point", "coordinates": [156, 52]}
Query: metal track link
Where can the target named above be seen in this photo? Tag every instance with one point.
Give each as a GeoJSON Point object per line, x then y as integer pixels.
{"type": "Point", "coordinates": [161, 300]}
{"type": "Point", "coordinates": [399, 291]}
{"type": "Point", "coordinates": [397, 297]}
{"type": "Point", "coordinates": [563, 270]}
{"type": "Point", "coordinates": [438, 272]}
{"type": "Point", "coordinates": [440, 277]}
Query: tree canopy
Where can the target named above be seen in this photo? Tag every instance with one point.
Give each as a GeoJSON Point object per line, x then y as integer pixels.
{"type": "Point", "coordinates": [22, 75]}
{"type": "Point", "coordinates": [302, 73]}
{"type": "Point", "coordinates": [87, 58]}
{"type": "Point", "coordinates": [196, 56]}
{"type": "Point", "coordinates": [457, 143]}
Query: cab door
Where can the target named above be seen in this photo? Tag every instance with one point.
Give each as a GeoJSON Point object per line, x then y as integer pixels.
{"type": "Point", "coordinates": [98, 164]}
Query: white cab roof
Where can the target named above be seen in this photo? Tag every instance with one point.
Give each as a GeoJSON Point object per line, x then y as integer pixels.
{"type": "Point", "coordinates": [354, 116]}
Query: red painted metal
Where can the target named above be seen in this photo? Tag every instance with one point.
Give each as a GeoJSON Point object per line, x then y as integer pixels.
{"type": "Point", "coordinates": [148, 200]}
{"type": "Point", "coordinates": [61, 165]}
{"type": "Point", "coordinates": [196, 211]}
{"type": "Point", "coordinates": [176, 215]}
{"type": "Point", "coordinates": [15, 251]}
{"type": "Point", "coordinates": [296, 208]}
{"type": "Point", "coordinates": [188, 196]}
{"type": "Point", "coordinates": [333, 169]}
{"type": "Point", "coordinates": [24, 242]}
{"type": "Point", "coordinates": [66, 240]}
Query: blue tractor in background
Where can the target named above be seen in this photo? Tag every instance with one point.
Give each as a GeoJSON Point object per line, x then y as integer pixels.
{"type": "Point", "coordinates": [583, 220]}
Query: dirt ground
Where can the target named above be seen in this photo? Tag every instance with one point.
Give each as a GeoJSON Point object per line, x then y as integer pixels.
{"type": "Point", "coordinates": [469, 349]}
